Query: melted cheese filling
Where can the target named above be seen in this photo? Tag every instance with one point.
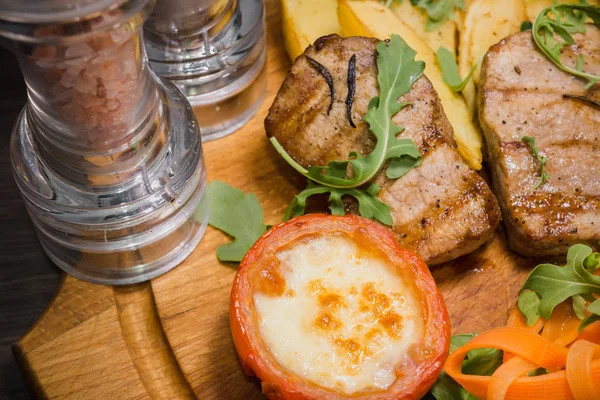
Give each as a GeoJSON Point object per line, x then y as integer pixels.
{"type": "Point", "coordinates": [344, 321]}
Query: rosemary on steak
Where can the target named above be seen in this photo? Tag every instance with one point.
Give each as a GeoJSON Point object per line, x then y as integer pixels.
{"type": "Point", "coordinates": [397, 70]}
{"type": "Point", "coordinates": [328, 78]}
{"type": "Point", "coordinates": [585, 99]}
{"type": "Point", "coordinates": [351, 88]}
{"type": "Point", "coordinates": [541, 159]}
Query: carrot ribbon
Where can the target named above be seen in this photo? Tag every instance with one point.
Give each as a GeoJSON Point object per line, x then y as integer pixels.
{"type": "Point", "coordinates": [573, 360]}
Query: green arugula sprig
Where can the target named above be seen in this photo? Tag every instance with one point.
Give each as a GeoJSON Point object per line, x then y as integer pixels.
{"type": "Point", "coordinates": [554, 27]}
{"type": "Point", "coordinates": [369, 206]}
{"type": "Point", "coordinates": [447, 63]}
{"type": "Point", "coordinates": [549, 285]}
{"type": "Point", "coordinates": [241, 216]}
{"type": "Point", "coordinates": [541, 159]}
{"type": "Point", "coordinates": [237, 214]}
{"type": "Point", "coordinates": [526, 26]}
{"type": "Point", "coordinates": [438, 11]}
{"type": "Point", "coordinates": [483, 362]}
{"type": "Point", "coordinates": [397, 71]}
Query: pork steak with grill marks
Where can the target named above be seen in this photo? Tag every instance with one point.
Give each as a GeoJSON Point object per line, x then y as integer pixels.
{"type": "Point", "coordinates": [441, 209]}
{"type": "Point", "coordinates": [524, 94]}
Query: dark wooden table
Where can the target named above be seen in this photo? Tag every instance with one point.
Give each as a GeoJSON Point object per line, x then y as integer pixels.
{"type": "Point", "coordinates": [28, 279]}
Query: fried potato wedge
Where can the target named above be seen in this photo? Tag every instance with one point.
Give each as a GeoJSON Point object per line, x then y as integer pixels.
{"type": "Point", "coordinates": [485, 24]}
{"type": "Point", "coordinates": [372, 19]}
{"type": "Point", "coordinates": [304, 21]}
{"type": "Point", "coordinates": [459, 15]}
{"type": "Point", "coordinates": [444, 35]}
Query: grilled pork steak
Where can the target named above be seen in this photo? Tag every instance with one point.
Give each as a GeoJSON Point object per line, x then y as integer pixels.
{"type": "Point", "coordinates": [525, 94]}
{"type": "Point", "coordinates": [441, 209]}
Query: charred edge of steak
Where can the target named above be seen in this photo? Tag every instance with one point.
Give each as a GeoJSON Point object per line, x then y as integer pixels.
{"type": "Point", "coordinates": [351, 88]}
{"type": "Point", "coordinates": [328, 78]}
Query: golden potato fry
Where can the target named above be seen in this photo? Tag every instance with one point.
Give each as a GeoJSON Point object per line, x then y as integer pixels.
{"type": "Point", "coordinates": [460, 15]}
{"type": "Point", "coordinates": [304, 21]}
{"type": "Point", "coordinates": [535, 6]}
{"type": "Point", "coordinates": [372, 19]}
{"type": "Point", "coordinates": [486, 23]}
{"type": "Point", "coordinates": [444, 35]}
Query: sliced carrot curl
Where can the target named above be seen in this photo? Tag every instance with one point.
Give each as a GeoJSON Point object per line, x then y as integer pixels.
{"type": "Point", "coordinates": [516, 319]}
{"type": "Point", "coordinates": [579, 370]}
{"type": "Point", "coordinates": [572, 359]}
{"type": "Point", "coordinates": [591, 333]}
{"type": "Point", "coordinates": [506, 375]}
{"type": "Point", "coordinates": [563, 327]}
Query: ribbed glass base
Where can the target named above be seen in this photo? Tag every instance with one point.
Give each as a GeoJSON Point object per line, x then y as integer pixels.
{"type": "Point", "coordinates": [126, 226]}
{"type": "Point", "coordinates": [215, 56]}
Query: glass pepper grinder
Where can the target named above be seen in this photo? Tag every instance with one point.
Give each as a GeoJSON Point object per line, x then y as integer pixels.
{"type": "Point", "coordinates": [214, 51]}
{"type": "Point", "coordinates": [107, 156]}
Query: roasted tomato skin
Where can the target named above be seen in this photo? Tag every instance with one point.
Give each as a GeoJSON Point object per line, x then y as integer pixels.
{"type": "Point", "coordinates": [278, 384]}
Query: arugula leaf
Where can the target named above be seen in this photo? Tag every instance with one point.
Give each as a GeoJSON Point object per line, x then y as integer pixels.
{"type": "Point", "coordinates": [438, 11]}
{"type": "Point", "coordinates": [554, 284]}
{"type": "Point", "coordinates": [369, 206]}
{"type": "Point", "coordinates": [538, 372]}
{"type": "Point", "coordinates": [594, 316]}
{"type": "Point", "coordinates": [477, 362]}
{"type": "Point", "coordinates": [457, 341]}
{"type": "Point", "coordinates": [553, 29]}
{"type": "Point", "coordinates": [397, 72]}
{"type": "Point", "coordinates": [541, 159]}
{"type": "Point", "coordinates": [526, 26]}
{"type": "Point", "coordinates": [528, 303]}
{"type": "Point", "coordinates": [579, 306]}
{"type": "Point", "coordinates": [447, 62]}
{"type": "Point", "coordinates": [446, 388]}
{"type": "Point", "coordinates": [237, 214]}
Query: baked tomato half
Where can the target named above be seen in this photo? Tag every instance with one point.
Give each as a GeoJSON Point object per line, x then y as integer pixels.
{"type": "Point", "coordinates": [328, 307]}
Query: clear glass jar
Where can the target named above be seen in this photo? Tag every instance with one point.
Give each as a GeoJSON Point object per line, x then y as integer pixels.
{"type": "Point", "coordinates": [214, 51]}
{"type": "Point", "coordinates": [107, 155]}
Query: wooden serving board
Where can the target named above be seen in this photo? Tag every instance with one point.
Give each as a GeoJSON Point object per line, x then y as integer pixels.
{"type": "Point", "coordinates": [169, 338]}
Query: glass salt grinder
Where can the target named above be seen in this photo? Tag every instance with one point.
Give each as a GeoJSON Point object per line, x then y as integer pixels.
{"type": "Point", "coordinates": [107, 156]}
{"type": "Point", "coordinates": [214, 51]}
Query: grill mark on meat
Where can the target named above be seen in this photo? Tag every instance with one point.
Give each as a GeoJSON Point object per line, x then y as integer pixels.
{"type": "Point", "coordinates": [471, 211]}
{"type": "Point", "coordinates": [551, 202]}
{"type": "Point", "coordinates": [566, 209]}
{"type": "Point", "coordinates": [523, 169]}
{"type": "Point", "coordinates": [438, 216]}
{"type": "Point", "coordinates": [460, 208]}
{"type": "Point", "coordinates": [524, 114]}
{"type": "Point", "coordinates": [543, 90]}
{"type": "Point", "coordinates": [582, 144]}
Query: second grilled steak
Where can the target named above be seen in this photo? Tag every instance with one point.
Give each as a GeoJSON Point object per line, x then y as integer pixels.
{"type": "Point", "coordinates": [525, 94]}
{"type": "Point", "coordinates": [441, 209]}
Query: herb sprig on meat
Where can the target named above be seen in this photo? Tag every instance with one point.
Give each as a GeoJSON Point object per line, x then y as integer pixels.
{"type": "Point", "coordinates": [541, 159]}
{"type": "Point", "coordinates": [369, 206]}
{"type": "Point", "coordinates": [397, 72]}
{"type": "Point", "coordinates": [553, 29]}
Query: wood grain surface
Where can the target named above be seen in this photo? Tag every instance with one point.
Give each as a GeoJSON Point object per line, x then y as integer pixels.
{"type": "Point", "coordinates": [170, 338]}
{"type": "Point", "coordinates": [28, 280]}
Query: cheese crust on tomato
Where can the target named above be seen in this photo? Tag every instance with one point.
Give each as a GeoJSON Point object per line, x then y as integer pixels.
{"type": "Point", "coordinates": [342, 317]}
{"type": "Point", "coordinates": [327, 307]}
